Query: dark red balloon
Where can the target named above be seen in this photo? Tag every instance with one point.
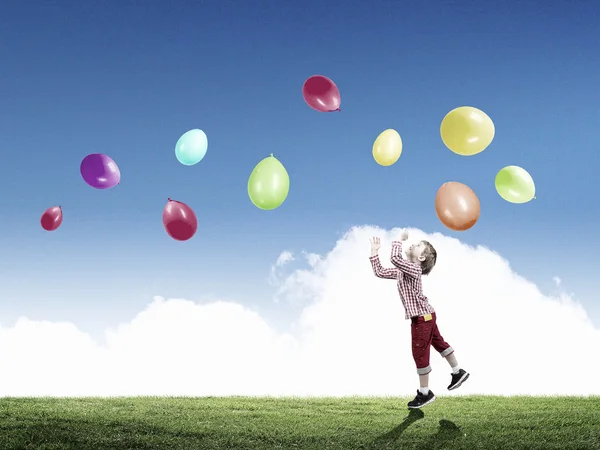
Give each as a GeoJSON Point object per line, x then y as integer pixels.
{"type": "Point", "coordinates": [179, 220]}
{"type": "Point", "coordinates": [321, 94]}
{"type": "Point", "coordinates": [52, 218]}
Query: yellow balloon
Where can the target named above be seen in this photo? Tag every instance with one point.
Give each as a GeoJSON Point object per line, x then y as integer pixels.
{"type": "Point", "coordinates": [467, 130]}
{"type": "Point", "coordinates": [387, 147]}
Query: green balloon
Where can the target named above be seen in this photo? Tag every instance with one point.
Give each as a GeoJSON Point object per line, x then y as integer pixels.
{"type": "Point", "coordinates": [515, 185]}
{"type": "Point", "coordinates": [269, 184]}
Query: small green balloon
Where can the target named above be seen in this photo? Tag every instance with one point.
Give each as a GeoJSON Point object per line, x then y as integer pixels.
{"type": "Point", "coordinates": [269, 184]}
{"type": "Point", "coordinates": [515, 185]}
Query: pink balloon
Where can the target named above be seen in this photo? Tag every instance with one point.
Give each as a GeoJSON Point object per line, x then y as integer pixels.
{"type": "Point", "coordinates": [52, 218]}
{"type": "Point", "coordinates": [322, 94]}
{"type": "Point", "coordinates": [179, 220]}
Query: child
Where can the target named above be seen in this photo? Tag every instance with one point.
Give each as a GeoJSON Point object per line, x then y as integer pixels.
{"type": "Point", "coordinates": [420, 259]}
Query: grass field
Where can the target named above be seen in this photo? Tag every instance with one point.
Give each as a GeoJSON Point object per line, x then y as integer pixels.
{"type": "Point", "coordinates": [271, 423]}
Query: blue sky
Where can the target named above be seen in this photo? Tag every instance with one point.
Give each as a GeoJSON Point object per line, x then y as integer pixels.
{"type": "Point", "coordinates": [128, 78]}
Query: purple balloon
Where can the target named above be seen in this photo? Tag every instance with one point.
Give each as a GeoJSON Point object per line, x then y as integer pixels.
{"type": "Point", "coordinates": [100, 171]}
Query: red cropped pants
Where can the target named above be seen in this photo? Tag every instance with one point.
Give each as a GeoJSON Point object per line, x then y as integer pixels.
{"type": "Point", "coordinates": [425, 334]}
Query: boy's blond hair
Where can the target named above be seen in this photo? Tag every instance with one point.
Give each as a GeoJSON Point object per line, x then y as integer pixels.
{"type": "Point", "coordinates": [430, 258]}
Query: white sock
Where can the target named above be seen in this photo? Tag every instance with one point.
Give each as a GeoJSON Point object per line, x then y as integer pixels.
{"type": "Point", "coordinates": [455, 369]}
{"type": "Point", "coordinates": [424, 390]}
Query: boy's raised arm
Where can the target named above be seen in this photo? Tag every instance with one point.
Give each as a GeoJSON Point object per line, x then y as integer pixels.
{"type": "Point", "coordinates": [380, 271]}
{"type": "Point", "coordinates": [408, 267]}
{"type": "Point", "coordinates": [390, 273]}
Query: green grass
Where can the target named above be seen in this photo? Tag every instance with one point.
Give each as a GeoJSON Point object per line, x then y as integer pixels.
{"type": "Point", "coordinates": [471, 423]}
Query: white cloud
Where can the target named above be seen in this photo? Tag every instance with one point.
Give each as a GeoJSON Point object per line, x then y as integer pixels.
{"type": "Point", "coordinates": [351, 337]}
{"type": "Point", "coordinates": [557, 281]}
{"type": "Point", "coordinates": [312, 258]}
{"type": "Point", "coordinates": [284, 258]}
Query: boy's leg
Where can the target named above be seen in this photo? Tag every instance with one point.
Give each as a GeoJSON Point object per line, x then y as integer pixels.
{"type": "Point", "coordinates": [421, 334]}
{"type": "Point", "coordinates": [444, 349]}
{"type": "Point", "coordinates": [453, 362]}
{"type": "Point", "coordinates": [459, 376]}
{"type": "Point", "coordinates": [424, 383]}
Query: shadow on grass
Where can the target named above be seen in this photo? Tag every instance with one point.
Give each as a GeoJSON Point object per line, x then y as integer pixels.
{"type": "Point", "coordinates": [89, 434]}
{"type": "Point", "coordinates": [393, 435]}
{"type": "Point", "coordinates": [447, 432]}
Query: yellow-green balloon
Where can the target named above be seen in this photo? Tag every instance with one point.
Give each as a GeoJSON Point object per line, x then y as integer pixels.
{"type": "Point", "coordinates": [269, 184]}
{"type": "Point", "coordinates": [515, 185]}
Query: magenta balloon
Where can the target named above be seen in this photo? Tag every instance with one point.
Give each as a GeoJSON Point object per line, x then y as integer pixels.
{"type": "Point", "coordinates": [322, 94]}
{"type": "Point", "coordinates": [52, 218]}
{"type": "Point", "coordinates": [179, 220]}
{"type": "Point", "coordinates": [100, 171]}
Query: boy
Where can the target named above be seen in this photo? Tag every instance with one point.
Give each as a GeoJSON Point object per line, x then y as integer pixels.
{"type": "Point", "coordinates": [420, 259]}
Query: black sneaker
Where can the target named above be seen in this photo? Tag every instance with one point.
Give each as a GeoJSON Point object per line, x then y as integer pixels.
{"type": "Point", "coordinates": [458, 379]}
{"type": "Point", "coordinates": [422, 399]}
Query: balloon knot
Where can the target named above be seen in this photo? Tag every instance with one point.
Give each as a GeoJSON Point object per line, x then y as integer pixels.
{"type": "Point", "coordinates": [339, 109]}
{"type": "Point", "coordinates": [271, 155]}
{"type": "Point", "coordinates": [169, 199]}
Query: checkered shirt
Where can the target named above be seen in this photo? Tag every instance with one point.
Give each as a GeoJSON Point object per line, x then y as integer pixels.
{"type": "Point", "coordinates": [408, 275]}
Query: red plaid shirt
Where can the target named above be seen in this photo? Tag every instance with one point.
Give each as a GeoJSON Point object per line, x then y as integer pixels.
{"type": "Point", "coordinates": [408, 275]}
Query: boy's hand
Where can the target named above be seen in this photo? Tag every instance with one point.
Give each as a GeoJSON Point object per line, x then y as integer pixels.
{"type": "Point", "coordinates": [375, 246]}
{"type": "Point", "coordinates": [403, 235]}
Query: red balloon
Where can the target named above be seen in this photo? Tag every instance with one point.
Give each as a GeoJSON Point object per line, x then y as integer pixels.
{"type": "Point", "coordinates": [179, 220]}
{"type": "Point", "coordinates": [322, 94]}
{"type": "Point", "coordinates": [52, 218]}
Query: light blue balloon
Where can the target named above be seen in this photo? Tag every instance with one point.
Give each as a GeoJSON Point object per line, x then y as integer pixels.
{"type": "Point", "coordinates": [191, 147]}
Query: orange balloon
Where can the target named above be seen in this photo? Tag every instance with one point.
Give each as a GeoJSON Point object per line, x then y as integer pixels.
{"type": "Point", "coordinates": [457, 206]}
